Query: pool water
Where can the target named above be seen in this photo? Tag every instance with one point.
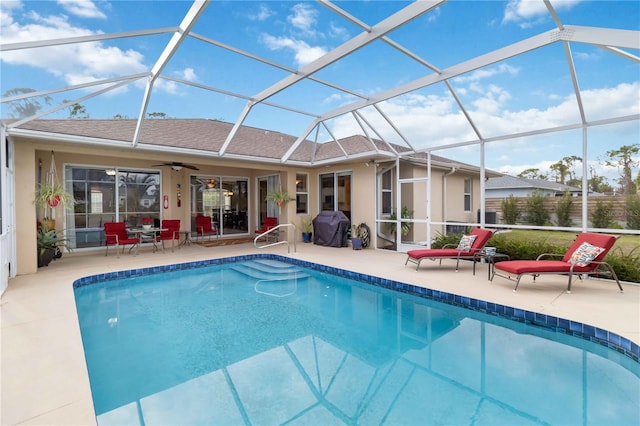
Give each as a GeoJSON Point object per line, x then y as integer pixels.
{"type": "Point", "coordinates": [264, 342]}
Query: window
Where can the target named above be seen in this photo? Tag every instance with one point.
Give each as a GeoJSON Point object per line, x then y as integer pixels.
{"type": "Point", "coordinates": [467, 194]}
{"type": "Point", "coordinates": [109, 195]}
{"type": "Point", "coordinates": [386, 192]}
{"type": "Point", "coordinates": [302, 193]}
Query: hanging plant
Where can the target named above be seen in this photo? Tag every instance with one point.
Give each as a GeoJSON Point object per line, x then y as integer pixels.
{"type": "Point", "coordinates": [53, 195]}
{"type": "Point", "coordinates": [279, 197]}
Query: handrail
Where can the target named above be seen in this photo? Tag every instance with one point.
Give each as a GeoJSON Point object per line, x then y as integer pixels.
{"type": "Point", "coordinates": [275, 228]}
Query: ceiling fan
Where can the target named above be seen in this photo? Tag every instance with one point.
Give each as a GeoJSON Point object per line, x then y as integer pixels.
{"type": "Point", "coordinates": [177, 166]}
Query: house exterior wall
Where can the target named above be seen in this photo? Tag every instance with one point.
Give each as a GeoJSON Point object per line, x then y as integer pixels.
{"type": "Point", "coordinates": [29, 153]}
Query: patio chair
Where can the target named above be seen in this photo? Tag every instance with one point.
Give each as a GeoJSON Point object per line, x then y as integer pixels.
{"type": "Point", "coordinates": [583, 257]}
{"type": "Point", "coordinates": [204, 227]}
{"type": "Point", "coordinates": [170, 232]}
{"type": "Point", "coordinates": [115, 234]}
{"type": "Point", "coordinates": [268, 224]}
{"type": "Point", "coordinates": [469, 245]}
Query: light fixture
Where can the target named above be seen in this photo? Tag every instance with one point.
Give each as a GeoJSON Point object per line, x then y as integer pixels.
{"type": "Point", "coordinates": [176, 167]}
{"type": "Point", "coordinates": [110, 172]}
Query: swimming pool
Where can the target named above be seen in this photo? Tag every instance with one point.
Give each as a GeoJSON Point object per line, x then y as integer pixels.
{"type": "Point", "coordinates": [223, 342]}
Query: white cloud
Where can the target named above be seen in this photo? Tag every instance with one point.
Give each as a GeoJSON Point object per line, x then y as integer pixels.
{"type": "Point", "coordinates": [189, 74]}
{"type": "Point", "coordinates": [433, 120]}
{"type": "Point", "coordinates": [82, 8]}
{"type": "Point", "coordinates": [485, 73]}
{"type": "Point", "coordinates": [303, 52]}
{"type": "Point", "coordinates": [527, 13]}
{"type": "Point", "coordinates": [262, 14]}
{"type": "Point", "coordinates": [73, 63]}
{"type": "Point", "coordinates": [304, 18]}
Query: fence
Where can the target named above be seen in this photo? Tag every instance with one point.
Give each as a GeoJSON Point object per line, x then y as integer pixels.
{"type": "Point", "coordinates": [618, 204]}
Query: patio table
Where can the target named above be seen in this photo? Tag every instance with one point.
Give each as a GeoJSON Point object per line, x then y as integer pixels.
{"type": "Point", "coordinates": [148, 235]}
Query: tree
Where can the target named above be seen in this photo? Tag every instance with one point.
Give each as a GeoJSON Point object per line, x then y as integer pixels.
{"type": "Point", "coordinates": [25, 107]}
{"type": "Point", "coordinates": [561, 170]}
{"type": "Point", "coordinates": [532, 173]}
{"type": "Point", "coordinates": [563, 210]}
{"type": "Point", "coordinates": [156, 115]}
{"type": "Point", "coordinates": [77, 110]}
{"type": "Point", "coordinates": [623, 159]}
{"type": "Point", "coordinates": [535, 213]}
{"type": "Point", "coordinates": [510, 210]}
{"type": "Point", "coordinates": [598, 183]}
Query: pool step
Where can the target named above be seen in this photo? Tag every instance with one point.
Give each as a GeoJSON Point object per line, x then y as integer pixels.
{"type": "Point", "coordinates": [265, 269]}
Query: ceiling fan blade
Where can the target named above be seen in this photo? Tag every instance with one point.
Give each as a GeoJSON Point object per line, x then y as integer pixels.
{"type": "Point", "coordinates": [177, 164]}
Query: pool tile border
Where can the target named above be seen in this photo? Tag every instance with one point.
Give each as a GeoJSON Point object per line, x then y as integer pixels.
{"type": "Point", "coordinates": [560, 325]}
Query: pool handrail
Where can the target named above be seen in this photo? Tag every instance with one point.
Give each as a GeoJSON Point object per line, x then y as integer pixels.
{"type": "Point", "coordinates": [275, 229]}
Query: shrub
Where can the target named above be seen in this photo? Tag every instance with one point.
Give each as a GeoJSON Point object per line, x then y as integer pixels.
{"type": "Point", "coordinates": [602, 215]}
{"type": "Point", "coordinates": [535, 213]}
{"type": "Point", "coordinates": [451, 238]}
{"type": "Point", "coordinates": [563, 210]}
{"type": "Point", "coordinates": [510, 210]}
{"type": "Point", "coordinates": [633, 211]}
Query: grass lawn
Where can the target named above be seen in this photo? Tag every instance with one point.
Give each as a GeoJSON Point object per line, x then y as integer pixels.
{"type": "Point", "coordinates": [626, 243]}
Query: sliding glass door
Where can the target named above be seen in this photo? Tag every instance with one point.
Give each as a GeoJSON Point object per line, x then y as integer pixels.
{"type": "Point", "coordinates": [335, 192]}
{"type": "Point", "coordinates": [109, 195]}
{"type": "Point", "coordinates": [225, 199]}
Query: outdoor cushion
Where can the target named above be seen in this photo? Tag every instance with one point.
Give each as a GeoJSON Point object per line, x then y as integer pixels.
{"type": "Point", "coordinates": [585, 254]}
{"type": "Point", "coordinates": [466, 242]}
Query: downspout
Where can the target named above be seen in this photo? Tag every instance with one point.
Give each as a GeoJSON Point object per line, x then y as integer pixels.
{"type": "Point", "coordinates": [444, 195]}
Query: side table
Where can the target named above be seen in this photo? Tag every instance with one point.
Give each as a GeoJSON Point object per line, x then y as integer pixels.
{"type": "Point", "coordinates": [490, 258]}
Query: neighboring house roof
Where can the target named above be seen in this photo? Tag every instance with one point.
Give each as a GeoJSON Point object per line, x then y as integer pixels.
{"type": "Point", "coordinates": [207, 137]}
{"type": "Point", "coordinates": [513, 182]}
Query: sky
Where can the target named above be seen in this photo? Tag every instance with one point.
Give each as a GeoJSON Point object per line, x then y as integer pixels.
{"type": "Point", "coordinates": [520, 94]}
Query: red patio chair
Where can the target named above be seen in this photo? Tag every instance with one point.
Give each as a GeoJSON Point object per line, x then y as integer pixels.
{"type": "Point", "coordinates": [170, 232]}
{"type": "Point", "coordinates": [204, 227]}
{"type": "Point", "coordinates": [269, 223]}
{"type": "Point", "coordinates": [115, 234]}
{"type": "Point", "coordinates": [584, 256]}
{"type": "Point", "coordinates": [469, 245]}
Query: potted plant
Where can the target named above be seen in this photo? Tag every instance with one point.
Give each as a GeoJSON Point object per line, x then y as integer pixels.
{"type": "Point", "coordinates": [307, 228]}
{"type": "Point", "coordinates": [279, 197]}
{"type": "Point", "coordinates": [52, 195]}
{"type": "Point", "coordinates": [147, 222]}
{"type": "Point", "coordinates": [49, 243]}
{"type": "Point", "coordinates": [356, 237]}
{"type": "Point", "coordinates": [405, 227]}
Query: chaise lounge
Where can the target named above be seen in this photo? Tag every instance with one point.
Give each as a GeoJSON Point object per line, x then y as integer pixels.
{"type": "Point", "coordinates": [469, 245]}
{"type": "Point", "coordinates": [584, 256]}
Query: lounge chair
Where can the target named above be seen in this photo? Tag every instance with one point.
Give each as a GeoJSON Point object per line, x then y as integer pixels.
{"type": "Point", "coordinates": [115, 234]}
{"type": "Point", "coordinates": [583, 257]}
{"type": "Point", "coordinates": [469, 245]}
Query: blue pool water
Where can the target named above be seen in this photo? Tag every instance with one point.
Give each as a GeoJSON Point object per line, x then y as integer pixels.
{"type": "Point", "coordinates": [264, 342]}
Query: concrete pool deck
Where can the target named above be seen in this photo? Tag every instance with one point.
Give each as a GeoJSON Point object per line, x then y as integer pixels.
{"type": "Point", "coordinates": [44, 376]}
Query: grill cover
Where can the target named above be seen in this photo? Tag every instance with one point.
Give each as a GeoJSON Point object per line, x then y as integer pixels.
{"type": "Point", "coordinates": [330, 229]}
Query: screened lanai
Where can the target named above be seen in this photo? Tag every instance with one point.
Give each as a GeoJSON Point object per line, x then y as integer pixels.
{"type": "Point", "coordinates": [502, 86]}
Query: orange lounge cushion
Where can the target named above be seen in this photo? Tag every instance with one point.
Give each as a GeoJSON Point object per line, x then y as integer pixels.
{"type": "Point", "coordinates": [517, 267]}
{"type": "Point", "coordinates": [428, 253]}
